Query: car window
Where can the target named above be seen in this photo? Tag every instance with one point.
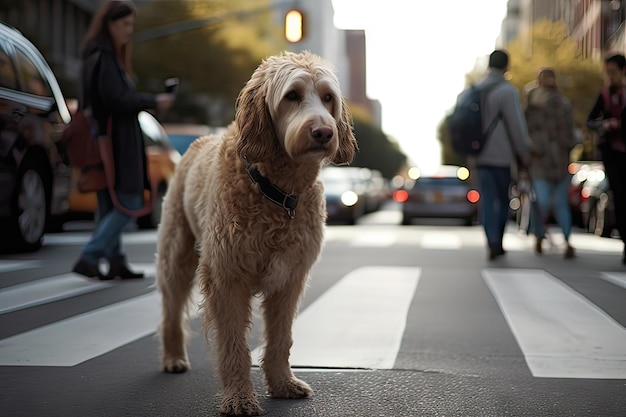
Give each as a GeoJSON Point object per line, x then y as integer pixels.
{"type": "Point", "coordinates": [8, 77]}
{"type": "Point", "coordinates": [34, 82]}
{"type": "Point", "coordinates": [434, 181]}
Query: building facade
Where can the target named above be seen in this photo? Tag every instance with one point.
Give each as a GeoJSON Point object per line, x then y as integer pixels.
{"type": "Point", "coordinates": [596, 25]}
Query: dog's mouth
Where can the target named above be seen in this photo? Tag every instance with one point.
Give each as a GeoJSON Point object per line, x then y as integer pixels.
{"type": "Point", "coordinates": [319, 151]}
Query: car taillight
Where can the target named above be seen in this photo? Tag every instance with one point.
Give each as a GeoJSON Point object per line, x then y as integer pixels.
{"type": "Point", "coordinates": [585, 193]}
{"type": "Point", "coordinates": [400, 196]}
{"type": "Point", "coordinates": [473, 196]}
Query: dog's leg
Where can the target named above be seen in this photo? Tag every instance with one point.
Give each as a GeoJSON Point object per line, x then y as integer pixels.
{"type": "Point", "coordinates": [279, 311]}
{"type": "Point", "coordinates": [177, 261]}
{"type": "Point", "coordinates": [227, 308]}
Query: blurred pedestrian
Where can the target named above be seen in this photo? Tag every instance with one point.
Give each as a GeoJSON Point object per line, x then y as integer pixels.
{"type": "Point", "coordinates": [551, 130]}
{"type": "Point", "coordinates": [107, 87]}
{"type": "Point", "coordinates": [607, 116]}
{"type": "Point", "coordinates": [507, 145]}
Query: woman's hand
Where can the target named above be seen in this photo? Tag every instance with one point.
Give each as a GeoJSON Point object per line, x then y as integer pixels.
{"type": "Point", "coordinates": [164, 102]}
{"type": "Point", "coordinates": [611, 124]}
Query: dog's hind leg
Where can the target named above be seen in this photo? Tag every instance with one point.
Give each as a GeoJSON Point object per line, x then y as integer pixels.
{"type": "Point", "coordinates": [279, 310]}
{"type": "Point", "coordinates": [228, 312]}
{"type": "Point", "coordinates": [177, 261]}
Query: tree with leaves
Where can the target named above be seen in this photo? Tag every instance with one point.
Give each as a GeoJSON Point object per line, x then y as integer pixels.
{"type": "Point", "coordinates": [224, 42]}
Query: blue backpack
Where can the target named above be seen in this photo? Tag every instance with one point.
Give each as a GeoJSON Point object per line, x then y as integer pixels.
{"type": "Point", "coordinates": [465, 124]}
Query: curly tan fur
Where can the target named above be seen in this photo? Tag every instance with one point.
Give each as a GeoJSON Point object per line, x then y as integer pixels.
{"type": "Point", "coordinates": [217, 229]}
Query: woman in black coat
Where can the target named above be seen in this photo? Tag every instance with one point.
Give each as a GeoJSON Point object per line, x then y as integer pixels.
{"type": "Point", "coordinates": [106, 87]}
{"type": "Point", "coordinates": [607, 116]}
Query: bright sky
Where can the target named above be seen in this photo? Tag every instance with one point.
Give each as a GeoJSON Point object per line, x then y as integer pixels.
{"type": "Point", "coordinates": [417, 56]}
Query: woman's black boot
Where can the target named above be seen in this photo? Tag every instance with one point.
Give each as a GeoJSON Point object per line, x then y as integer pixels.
{"type": "Point", "coordinates": [119, 268]}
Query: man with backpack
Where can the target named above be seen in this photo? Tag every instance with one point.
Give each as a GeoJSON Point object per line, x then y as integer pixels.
{"type": "Point", "coordinates": [506, 145]}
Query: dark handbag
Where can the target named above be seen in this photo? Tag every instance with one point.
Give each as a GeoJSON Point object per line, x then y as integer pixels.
{"type": "Point", "coordinates": [94, 157]}
{"type": "Point", "coordinates": [91, 179]}
{"type": "Point", "coordinates": [83, 152]}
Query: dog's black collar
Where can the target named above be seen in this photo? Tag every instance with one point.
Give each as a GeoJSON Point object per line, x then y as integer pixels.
{"type": "Point", "coordinates": [272, 192]}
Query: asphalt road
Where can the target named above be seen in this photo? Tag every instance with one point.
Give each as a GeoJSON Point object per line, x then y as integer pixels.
{"type": "Point", "coordinates": [397, 321]}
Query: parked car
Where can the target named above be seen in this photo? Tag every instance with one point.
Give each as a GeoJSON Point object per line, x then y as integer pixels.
{"type": "Point", "coordinates": [35, 177]}
{"type": "Point", "coordinates": [369, 184]}
{"type": "Point", "coordinates": [162, 159]}
{"type": "Point", "coordinates": [345, 197]}
{"type": "Point", "coordinates": [183, 134]}
{"type": "Point", "coordinates": [445, 193]}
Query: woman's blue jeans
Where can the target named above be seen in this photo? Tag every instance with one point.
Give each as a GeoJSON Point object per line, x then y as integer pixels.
{"type": "Point", "coordinates": [106, 238]}
{"type": "Point", "coordinates": [551, 194]}
{"type": "Point", "coordinates": [494, 185]}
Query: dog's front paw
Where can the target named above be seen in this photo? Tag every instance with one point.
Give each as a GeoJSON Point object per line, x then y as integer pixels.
{"type": "Point", "coordinates": [290, 388]}
{"type": "Point", "coordinates": [241, 405]}
{"type": "Point", "coordinates": [175, 365]}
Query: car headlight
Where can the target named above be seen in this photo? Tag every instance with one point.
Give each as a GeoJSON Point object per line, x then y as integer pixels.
{"type": "Point", "coordinates": [349, 198]}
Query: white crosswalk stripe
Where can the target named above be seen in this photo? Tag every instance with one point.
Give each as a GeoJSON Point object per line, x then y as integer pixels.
{"type": "Point", "coordinates": [358, 323]}
{"type": "Point", "coordinates": [10, 266]}
{"type": "Point", "coordinates": [80, 338]}
{"type": "Point", "coordinates": [562, 334]}
{"type": "Point", "coordinates": [462, 238]}
{"type": "Point", "coordinates": [46, 290]}
{"type": "Point", "coordinates": [616, 278]}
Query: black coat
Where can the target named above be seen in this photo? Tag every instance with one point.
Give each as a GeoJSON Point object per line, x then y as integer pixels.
{"type": "Point", "coordinates": [113, 95]}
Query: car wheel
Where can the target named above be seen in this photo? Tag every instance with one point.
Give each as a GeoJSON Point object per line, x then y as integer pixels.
{"type": "Point", "coordinates": [152, 220]}
{"type": "Point", "coordinates": [29, 209]}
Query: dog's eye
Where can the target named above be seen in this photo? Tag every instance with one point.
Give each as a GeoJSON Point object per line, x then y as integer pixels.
{"type": "Point", "coordinates": [328, 98]}
{"type": "Point", "coordinates": [292, 96]}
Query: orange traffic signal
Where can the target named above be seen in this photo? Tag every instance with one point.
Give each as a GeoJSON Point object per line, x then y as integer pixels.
{"type": "Point", "coordinates": [294, 29]}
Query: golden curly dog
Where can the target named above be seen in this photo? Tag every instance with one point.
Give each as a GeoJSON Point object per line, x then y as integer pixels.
{"type": "Point", "coordinates": [244, 216]}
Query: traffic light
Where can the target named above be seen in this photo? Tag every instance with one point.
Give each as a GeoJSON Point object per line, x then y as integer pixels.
{"type": "Point", "coordinates": [294, 28]}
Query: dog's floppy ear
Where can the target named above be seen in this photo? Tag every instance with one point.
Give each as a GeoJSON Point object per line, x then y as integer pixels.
{"type": "Point", "coordinates": [256, 131]}
{"type": "Point", "coordinates": [347, 142]}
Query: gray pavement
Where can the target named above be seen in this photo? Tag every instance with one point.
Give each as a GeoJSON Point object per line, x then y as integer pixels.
{"type": "Point", "coordinates": [443, 335]}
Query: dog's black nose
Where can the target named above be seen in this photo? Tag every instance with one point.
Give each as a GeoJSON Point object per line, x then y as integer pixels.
{"type": "Point", "coordinates": [322, 134]}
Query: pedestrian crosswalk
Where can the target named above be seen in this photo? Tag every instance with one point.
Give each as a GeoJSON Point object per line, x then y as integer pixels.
{"type": "Point", "coordinates": [357, 323]}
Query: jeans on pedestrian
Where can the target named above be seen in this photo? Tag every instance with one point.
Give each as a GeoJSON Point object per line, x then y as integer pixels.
{"type": "Point", "coordinates": [105, 240]}
{"type": "Point", "coordinates": [551, 194]}
{"type": "Point", "coordinates": [494, 185]}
